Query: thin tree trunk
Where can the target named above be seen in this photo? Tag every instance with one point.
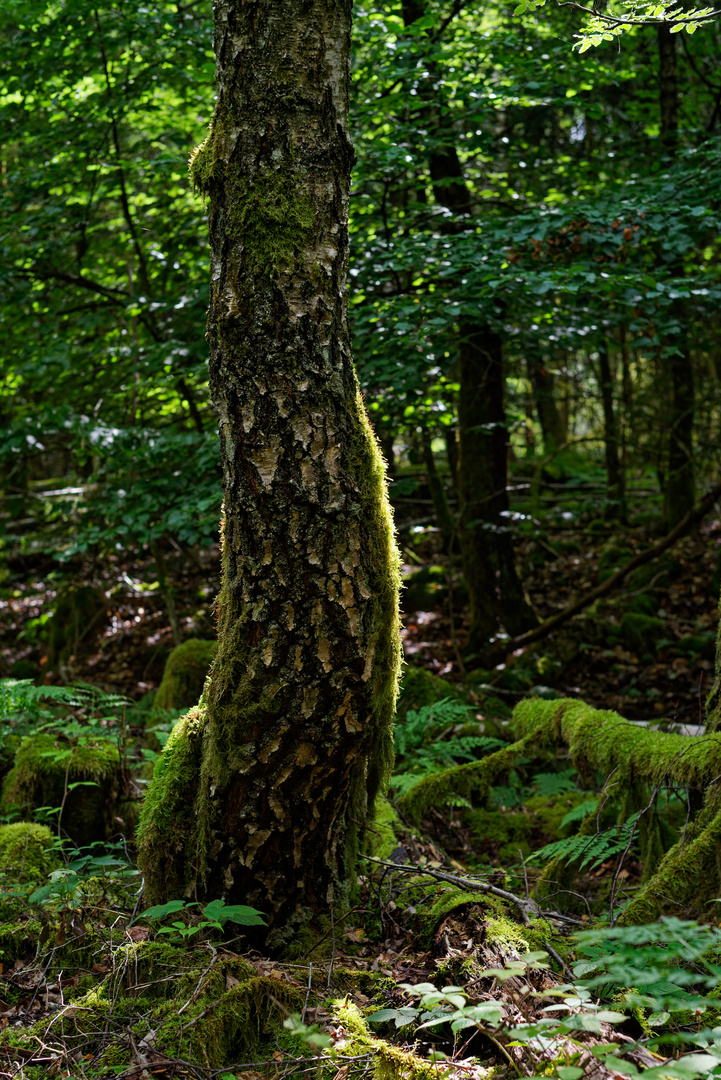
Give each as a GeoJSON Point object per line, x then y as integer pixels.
{"type": "Point", "coordinates": [679, 490]}
{"type": "Point", "coordinates": [261, 789]}
{"type": "Point", "coordinates": [615, 478]}
{"type": "Point", "coordinates": [542, 381]}
{"type": "Point", "coordinates": [495, 590]}
{"type": "Point", "coordinates": [443, 513]}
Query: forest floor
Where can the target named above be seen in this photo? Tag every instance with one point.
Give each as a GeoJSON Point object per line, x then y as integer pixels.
{"type": "Point", "coordinates": [91, 988]}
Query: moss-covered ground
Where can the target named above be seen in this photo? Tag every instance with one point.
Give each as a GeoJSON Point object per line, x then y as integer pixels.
{"type": "Point", "coordinates": [513, 823]}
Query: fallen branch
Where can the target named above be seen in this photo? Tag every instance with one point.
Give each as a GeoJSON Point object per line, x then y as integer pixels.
{"type": "Point", "coordinates": [524, 906]}
{"type": "Point", "coordinates": [694, 517]}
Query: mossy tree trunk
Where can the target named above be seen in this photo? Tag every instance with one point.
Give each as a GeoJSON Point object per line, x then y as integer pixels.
{"type": "Point", "coordinates": [260, 792]}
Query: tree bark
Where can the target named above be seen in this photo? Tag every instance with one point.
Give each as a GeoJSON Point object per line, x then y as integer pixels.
{"type": "Point", "coordinates": [261, 789]}
{"type": "Point", "coordinates": [542, 382]}
{"type": "Point", "coordinates": [615, 478]}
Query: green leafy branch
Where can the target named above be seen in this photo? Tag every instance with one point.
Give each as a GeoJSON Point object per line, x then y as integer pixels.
{"type": "Point", "coordinates": [605, 25]}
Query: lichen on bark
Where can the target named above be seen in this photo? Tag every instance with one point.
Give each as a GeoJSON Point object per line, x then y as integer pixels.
{"type": "Point", "coordinates": [261, 790]}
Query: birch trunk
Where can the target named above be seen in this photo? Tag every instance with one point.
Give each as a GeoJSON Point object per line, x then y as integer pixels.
{"type": "Point", "coordinates": [260, 793]}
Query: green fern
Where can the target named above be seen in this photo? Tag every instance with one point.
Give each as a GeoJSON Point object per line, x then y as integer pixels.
{"type": "Point", "coordinates": [419, 724]}
{"type": "Point", "coordinates": [551, 784]}
{"type": "Point", "coordinates": [590, 851]}
{"type": "Point", "coordinates": [422, 749]}
{"type": "Point", "coordinates": [578, 813]}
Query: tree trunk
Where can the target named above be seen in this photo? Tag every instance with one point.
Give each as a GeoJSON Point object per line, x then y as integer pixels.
{"type": "Point", "coordinates": [680, 490]}
{"type": "Point", "coordinates": [713, 701]}
{"type": "Point", "coordinates": [261, 789]}
{"type": "Point", "coordinates": [489, 568]}
{"type": "Point", "coordinates": [615, 479]}
{"type": "Point", "coordinates": [542, 382]}
{"type": "Point", "coordinates": [679, 494]}
{"type": "Point", "coordinates": [495, 590]}
{"type": "Point", "coordinates": [445, 518]}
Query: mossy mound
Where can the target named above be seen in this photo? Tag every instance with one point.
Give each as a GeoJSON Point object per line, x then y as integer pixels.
{"type": "Point", "coordinates": [26, 851]}
{"type": "Point", "coordinates": [614, 554]}
{"type": "Point", "coordinates": [206, 1005]}
{"type": "Point", "coordinates": [500, 835]}
{"type": "Point", "coordinates": [420, 687]}
{"type": "Point", "coordinates": [79, 616]}
{"type": "Point", "coordinates": [641, 633]}
{"type": "Point", "coordinates": [184, 677]}
{"type": "Point", "coordinates": [45, 769]}
{"type": "Point", "coordinates": [24, 669]}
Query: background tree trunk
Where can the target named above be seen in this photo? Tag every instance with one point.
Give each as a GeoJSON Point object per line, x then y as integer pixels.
{"type": "Point", "coordinates": [680, 490]}
{"type": "Point", "coordinates": [495, 590]}
{"type": "Point", "coordinates": [615, 476]}
{"type": "Point", "coordinates": [261, 789]}
{"type": "Point", "coordinates": [542, 381]}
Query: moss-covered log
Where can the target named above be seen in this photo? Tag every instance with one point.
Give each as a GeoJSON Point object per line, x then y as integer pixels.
{"type": "Point", "coordinates": [689, 875]}
{"type": "Point", "coordinates": [258, 795]}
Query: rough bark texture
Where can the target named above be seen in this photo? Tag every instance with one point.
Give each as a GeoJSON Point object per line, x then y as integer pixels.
{"type": "Point", "coordinates": [259, 794]}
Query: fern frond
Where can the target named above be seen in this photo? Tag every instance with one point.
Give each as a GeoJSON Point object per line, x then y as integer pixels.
{"type": "Point", "coordinates": [589, 851]}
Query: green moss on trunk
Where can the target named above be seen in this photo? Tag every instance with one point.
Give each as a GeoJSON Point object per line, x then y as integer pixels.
{"type": "Point", "coordinates": [261, 791]}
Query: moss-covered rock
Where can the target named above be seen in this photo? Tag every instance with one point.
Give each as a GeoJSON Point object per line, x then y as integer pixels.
{"type": "Point", "coordinates": [24, 669]}
{"type": "Point", "coordinates": [184, 677]}
{"type": "Point", "coordinates": [501, 835]}
{"type": "Point", "coordinates": [45, 770]}
{"type": "Point", "coordinates": [27, 851]}
{"type": "Point", "coordinates": [641, 633]}
{"type": "Point", "coordinates": [614, 554]}
{"type": "Point", "coordinates": [19, 938]}
{"type": "Point", "coordinates": [421, 687]}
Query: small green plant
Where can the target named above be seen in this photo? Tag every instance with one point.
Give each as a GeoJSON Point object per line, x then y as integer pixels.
{"type": "Point", "coordinates": [309, 1033]}
{"type": "Point", "coordinates": [554, 1033]}
{"type": "Point", "coordinates": [215, 915]}
{"type": "Point", "coordinates": [65, 884]}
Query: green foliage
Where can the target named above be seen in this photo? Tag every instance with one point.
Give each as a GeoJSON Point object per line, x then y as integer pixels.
{"type": "Point", "coordinates": [425, 743]}
{"type": "Point", "coordinates": [590, 851]}
{"type": "Point", "coordinates": [215, 915]}
{"type": "Point", "coordinates": [672, 964]}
